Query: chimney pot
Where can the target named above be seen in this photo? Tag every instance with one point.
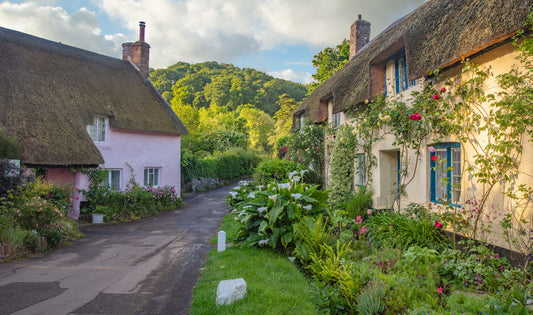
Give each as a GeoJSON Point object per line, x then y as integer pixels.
{"type": "Point", "coordinates": [142, 25]}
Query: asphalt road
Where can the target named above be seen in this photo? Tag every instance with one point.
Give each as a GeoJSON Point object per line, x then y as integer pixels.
{"type": "Point", "coordinates": [148, 266]}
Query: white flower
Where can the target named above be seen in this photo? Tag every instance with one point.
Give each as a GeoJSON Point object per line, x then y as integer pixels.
{"type": "Point", "coordinates": [260, 187]}
{"type": "Point", "coordinates": [273, 197]}
{"type": "Point", "coordinates": [262, 242]}
{"type": "Point", "coordinates": [233, 193]}
{"type": "Point", "coordinates": [299, 205]}
{"type": "Point", "coordinates": [246, 207]}
{"type": "Point", "coordinates": [284, 185]}
{"type": "Point", "coordinates": [261, 209]}
{"type": "Point", "coordinates": [251, 195]}
{"type": "Point", "coordinates": [308, 207]}
{"type": "Point", "coordinates": [292, 259]}
{"type": "Point", "coordinates": [295, 178]}
{"type": "Point", "coordinates": [303, 172]}
{"type": "Point", "coordinates": [296, 196]}
{"type": "Point", "coordinates": [291, 174]}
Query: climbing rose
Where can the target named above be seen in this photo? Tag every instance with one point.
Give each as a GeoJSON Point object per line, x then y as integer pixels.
{"type": "Point", "coordinates": [443, 90]}
{"type": "Point", "coordinates": [434, 158]}
{"type": "Point", "coordinates": [432, 149]}
{"type": "Point", "coordinates": [415, 117]}
{"type": "Point", "coordinates": [436, 96]}
{"type": "Point", "coordinates": [438, 225]}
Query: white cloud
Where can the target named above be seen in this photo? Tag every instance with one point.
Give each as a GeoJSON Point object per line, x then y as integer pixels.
{"type": "Point", "coordinates": [289, 74]}
{"type": "Point", "coordinates": [80, 29]}
{"type": "Point", "coordinates": [202, 30]}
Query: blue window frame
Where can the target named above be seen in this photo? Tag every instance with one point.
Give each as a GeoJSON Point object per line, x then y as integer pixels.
{"type": "Point", "coordinates": [446, 173]}
{"type": "Point", "coordinates": [400, 73]}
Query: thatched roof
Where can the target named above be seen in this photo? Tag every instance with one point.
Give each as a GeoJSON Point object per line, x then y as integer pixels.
{"type": "Point", "coordinates": [437, 34]}
{"type": "Point", "coordinates": [49, 92]}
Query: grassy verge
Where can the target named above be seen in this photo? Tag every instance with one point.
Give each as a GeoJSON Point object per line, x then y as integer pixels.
{"type": "Point", "coordinates": [274, 284]}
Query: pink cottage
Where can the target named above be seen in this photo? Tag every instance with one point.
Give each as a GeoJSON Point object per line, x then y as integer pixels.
{"type": "Point", "coordinates": [70, 109]}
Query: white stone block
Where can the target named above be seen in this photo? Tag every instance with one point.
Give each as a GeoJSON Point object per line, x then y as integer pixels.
{"type": "Point", "coordinates": [229, 291]}
{"type": "Point", "coordinates": [221, 241]}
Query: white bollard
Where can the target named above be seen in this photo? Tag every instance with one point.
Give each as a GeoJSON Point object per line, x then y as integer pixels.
{"type": "Point", "coordinates": [221, 241]}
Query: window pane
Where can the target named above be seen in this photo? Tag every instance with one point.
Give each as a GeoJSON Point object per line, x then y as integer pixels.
{"type": "Point", "coordinates": [360, 178]}
{"type": "Point", "coordinates": [440, 175]}
{"type": "Point", "coordinates": [115, 179]}
{"type": "Point", "coordinates": [401, 75]}
{"type": "Point", "coordinates": [456, 174]}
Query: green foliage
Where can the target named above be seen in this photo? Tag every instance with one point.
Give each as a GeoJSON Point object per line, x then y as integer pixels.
{"type": "Point", "coordinates": [274, 170]}
{"type": "Point", "coordinates": [403, 230]}
{"type": "Point", "coordinates": [306, 146]}
{"type": "Point", "coordinates": [310, 234]}
{"type": "Point", "coordinates": [9, 147]}
{"type": "Point", "coordinates": [371, 300]}
{"type": "Point", "coordinates": [478, 267]}
{"type": "Point", "coordinates": [227, 166]}
{"type": "Point", "coordinates": [267, 215]}
{"type": "Point", "coordinates": [328, 61]}
{"type": "Point", "coordinates": [359, 203]}
{"type": "Point", "coordinates": [209, 83]}
{"type": "Point", "coordinates": [342, 165]}
{"type": "Point", "coordinates": [133, 203]}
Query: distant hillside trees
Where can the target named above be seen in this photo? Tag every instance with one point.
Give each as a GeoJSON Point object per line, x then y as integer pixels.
{"type": "Point", "coordinates": [211, 83]}
{"type": "Point", "coordinates": [224, 107]}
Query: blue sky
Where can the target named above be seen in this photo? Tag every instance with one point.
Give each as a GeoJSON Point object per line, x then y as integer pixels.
{"type": "Point", "coordinates": [279, 37]}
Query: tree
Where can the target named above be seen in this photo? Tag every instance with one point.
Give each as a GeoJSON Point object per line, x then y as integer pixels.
{"type": "Point", "coordinates": [259, 126]}
{"type": "Point", "coordinates": [328, 61]}
{"type": "Point", "coordinates": [283, 118]}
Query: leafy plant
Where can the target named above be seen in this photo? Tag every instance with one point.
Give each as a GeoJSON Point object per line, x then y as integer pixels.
{"type": "Point", "coordinates": [267, 216]}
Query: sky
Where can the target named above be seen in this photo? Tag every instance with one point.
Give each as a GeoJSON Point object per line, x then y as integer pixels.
{"type": "Point", "coordinates": [279, 37]}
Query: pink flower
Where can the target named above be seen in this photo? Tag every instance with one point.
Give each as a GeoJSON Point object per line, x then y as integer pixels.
{"type": "Point", "coordinates": [443, 90]}
{"type": "Point", "coordinates": [436, 96]}
{"type": "Point", "coordinates": [439, 290]}
{"type": "Point", "coordinates": [415, 117]}
{"type": "Point", "coordinates": [359, 220]}
{"type": "Point", "coordinates": [363, 230]}
{"type": "Point", "coordinates": [438, 225]}
{"type": "Point", "coordinates": [48, 196]}
{"type": "Point", "coordinates": [369, 211]}
{"type": "Point", "coordinates": [432, 149]}
{"type": "Point", "coordinates": [434, 158]}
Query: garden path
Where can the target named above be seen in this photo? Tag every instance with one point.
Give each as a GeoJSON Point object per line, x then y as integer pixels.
{"type": "Point", "coordinates": [149, 266]}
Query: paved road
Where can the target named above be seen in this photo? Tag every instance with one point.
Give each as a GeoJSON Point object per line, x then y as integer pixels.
{"type": "Point", "coordinates": [148, 266]}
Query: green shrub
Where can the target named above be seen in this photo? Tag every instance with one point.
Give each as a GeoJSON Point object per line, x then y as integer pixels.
{"type": "Point", "coordinates": [404, 230]}
{"type": "Point", "coordinates": [227, 166]}
{"type": "Point", "coordinates": [275, 170]}
{"type": "Point", "coordinates": [358, 204]}
{"type": "Point", "coordinates": [371, 300]}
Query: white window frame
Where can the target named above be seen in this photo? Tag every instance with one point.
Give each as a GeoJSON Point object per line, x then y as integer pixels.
{"type": "Point", "coordinates": [98, 129]}
{"type": "Point", "coordinates": [152, 176]}
{"type": "Point", "coordinates": [112, 174]}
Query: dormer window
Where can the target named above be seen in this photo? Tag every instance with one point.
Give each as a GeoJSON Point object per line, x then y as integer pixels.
{"type": "Point", "coordinates": [335, 120]}
{"type": "Point", "coordinates": [396, 75]}
{"type": "Point", "coordinates": [97, 131]}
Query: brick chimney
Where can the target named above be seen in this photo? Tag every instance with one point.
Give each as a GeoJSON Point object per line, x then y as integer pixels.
{"type": "Point", "coordinates": [138, 52]}
{"type": "Point", "coordinates": [359, 35]}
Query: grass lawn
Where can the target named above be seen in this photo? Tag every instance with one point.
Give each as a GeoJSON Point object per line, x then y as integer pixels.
{"type": "Point", "coordinates": [274, 284]}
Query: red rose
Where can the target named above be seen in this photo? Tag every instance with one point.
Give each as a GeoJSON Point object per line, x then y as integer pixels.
{"type": "Point", "coordinates": [436, 96]}
{"type": "Point", "coordinates": [434, 158]}
{"type": "Point", "coordinates": [443, 90]}
{"type": "Point", "coordinates": [438, 225]}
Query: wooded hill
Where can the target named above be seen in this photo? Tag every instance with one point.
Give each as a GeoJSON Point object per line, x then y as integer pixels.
{"type": "Point", "coordinates": [224, 85]}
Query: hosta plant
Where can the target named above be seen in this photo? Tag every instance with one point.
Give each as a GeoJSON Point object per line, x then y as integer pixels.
{"type": "Point", "coordinates": [267, 214]}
